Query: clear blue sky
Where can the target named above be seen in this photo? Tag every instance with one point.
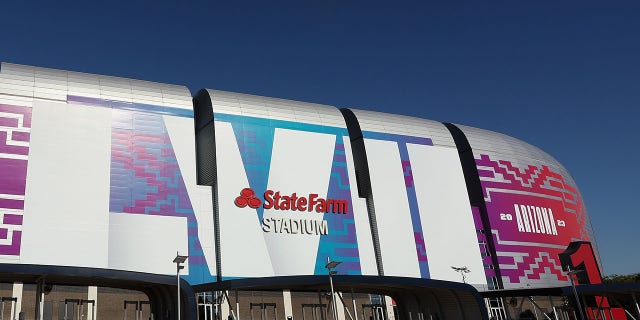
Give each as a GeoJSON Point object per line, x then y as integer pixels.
{"type": "Point", "coordinates": [561, 75]}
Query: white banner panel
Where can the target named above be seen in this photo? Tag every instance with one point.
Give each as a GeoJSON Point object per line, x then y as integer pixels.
{"type": "Point", "coordinates": [244, 252]}
{"type": "Point", "coordinates": [361, 217]}
{"type": "Point", "coordinates": [151, 248]}
{"type": "Point", "coordinates": [397, 243]}
{"type": "Point", "coordinates": [66, 214]}
{"type": "Point", "coordinates": [447, 221]}
{"type": "Point", "coordinates": [180, 129]}
{"type": "Point", "coordinates": [284, 187]}
{"type": "Point", "coordinates": [300, 163]}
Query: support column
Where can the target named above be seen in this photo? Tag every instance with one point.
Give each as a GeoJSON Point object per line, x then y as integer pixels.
{"type": "Point", "coordinates": [39, 307]}
{"type": "Point", "coordinates": [288, 308]}
{"type": "Point", "coordinates": [92, 294]}
{"type": "Point", "coordinates": [237, 305]}
{"type": "Point", "coordinates": [17, 293]}
{"type": "Point", "coordinates": [355, 307]}
{"type": "Point", "coordinates": [323, 313]}
{"type": "Point", "coordinates": [389, 306]}
{"type": "Point", "coordinates": [224, 306]}
{"type": "Point", "coordinates": [339, 306]}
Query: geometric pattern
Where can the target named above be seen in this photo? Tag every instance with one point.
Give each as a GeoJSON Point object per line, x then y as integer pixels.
{"type": "Point", "coordinates": [485, 252]}
{"type": "Point", "coordinates": [255, 142]}
{"type": "Point", "coordinates": [255, 139]}
{"type": "Point", "coordinates": [341, 243]}
{"type": "Point", "coordinates": [530, 259]}
{"type": "Point", "coordinates": [405, 162]}
{"type": "Point", "coordinates": [15, 131]}
{"type": "Point", "coordinates": [146, 179]}
{"type": "Point", "coordinates": [421, 250]}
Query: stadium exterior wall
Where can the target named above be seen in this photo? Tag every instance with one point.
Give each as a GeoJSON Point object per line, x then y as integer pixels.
{"type": "Point", "coordinates": [251, 186]}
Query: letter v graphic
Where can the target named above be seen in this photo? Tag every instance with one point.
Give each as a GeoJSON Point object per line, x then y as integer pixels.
{"type": "Point", "coordinates": [255, 141]}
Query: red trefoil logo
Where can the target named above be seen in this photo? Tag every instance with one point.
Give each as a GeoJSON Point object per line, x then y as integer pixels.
{"type": "Point", "coordinates": [247, 198]}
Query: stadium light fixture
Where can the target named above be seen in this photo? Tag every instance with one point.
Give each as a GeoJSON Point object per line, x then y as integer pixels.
{"type": "Point", "coordinates": [331, 265]}
{"type": "Point", "coordinates": [463, 272]}
{"type": "Point", "coordinates": [179, 260]}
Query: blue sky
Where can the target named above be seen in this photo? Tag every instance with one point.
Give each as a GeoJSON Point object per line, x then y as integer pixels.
{"type": "Point", "coordinates": [561, 75]}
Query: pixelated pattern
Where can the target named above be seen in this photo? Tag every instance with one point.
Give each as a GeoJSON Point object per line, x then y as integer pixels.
{"type": "Point", "coordinates": [128, 106]}
{"type": "Point", "coordinates": [15, 131]}
{"type": "Point", "coordinates": [255, 138]}
{"type": "Point", "coordinates": [341, 243]}
{"type": "Point", "coordinates": [255, 141]}
{"type": "Point", "coordinates": [146, 179]}
{"type": "Point", "coordinates": [402, 141]}
{"type": "Point", "coordinates": [482, 242]}
{"type": "Point", "coordinates": [528, 258]}
{"type": "Point", "coordinates": [421, 250]}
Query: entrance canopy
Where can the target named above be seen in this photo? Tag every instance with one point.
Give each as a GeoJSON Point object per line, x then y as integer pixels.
{"type": "Point", "coordinates": [619, 295]}
{"type": "Point", "coordinates": [160, 289]}
{"type": "Point", "coordinates": [448, 300]}
{"type": "Point", "coordinates": [603, 289]}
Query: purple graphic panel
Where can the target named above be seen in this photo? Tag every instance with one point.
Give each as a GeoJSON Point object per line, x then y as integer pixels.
{"type": "Point", "coordinates": [146, 179]}
{"type": "Point", "coordinates": [15, 130]}
{"type": "Point", "coordinates": [534, 214]}
{"type": "Point", "coordinates": [341, 244]}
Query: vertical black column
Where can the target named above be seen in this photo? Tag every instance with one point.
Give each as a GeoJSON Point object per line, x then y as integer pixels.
{"type": "Point", "coordinates": [474, 190]}
{"type": "Point", "coordinates": [363, 180]}
{"type": "Point", "coordinates": [206, 167]}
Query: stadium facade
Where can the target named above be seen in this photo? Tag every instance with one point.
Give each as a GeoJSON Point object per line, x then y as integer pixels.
{"type": "Point", "coordinates": [103, 180]}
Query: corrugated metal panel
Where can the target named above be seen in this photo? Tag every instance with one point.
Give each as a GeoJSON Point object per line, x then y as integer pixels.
{"type": "Point", "coordinates": [16, 100]}
{"type": "Point", "coordinates": [519, 152]}
{"type": "Point", "coordinates": [404, 125]}
{"type": "Point", "coordinates": [16, 81]}
{"type": "Point", "coordinates": [51, 84]}
{"type": "Point", "coordinates": [273, 108]}
{"type": "Point", "coordinates": [17, 71]}
{"type": "Point", "coordinates": [85, 85]}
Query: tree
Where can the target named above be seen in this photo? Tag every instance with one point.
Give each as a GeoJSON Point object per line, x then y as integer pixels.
{"type": "Point", "coordinates": [616, 278]}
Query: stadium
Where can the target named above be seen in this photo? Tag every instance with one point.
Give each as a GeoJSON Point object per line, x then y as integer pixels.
{"type": "Point", "coordinates": [126, 198]}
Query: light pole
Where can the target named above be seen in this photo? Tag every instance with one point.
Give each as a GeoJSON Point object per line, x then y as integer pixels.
{"type": "Point", "coordinates": [575, 292]}
{"type": "Point", "coordinates": [330, 265]}
{"type": "Point", "coordinates": [179, 260]}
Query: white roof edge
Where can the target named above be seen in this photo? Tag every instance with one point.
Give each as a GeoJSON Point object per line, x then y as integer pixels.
{"type": "Point", "coordinates": [404, 125]}
{"type": "Point", "coordinates": [110, 87]}
{"type": "Point", "coordinates": [504, 144]}
{"type": "Point", "coordinates": [275, 108]}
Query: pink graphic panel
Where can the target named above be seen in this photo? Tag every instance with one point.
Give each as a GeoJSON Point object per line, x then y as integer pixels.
{"type": "Point", "coordinates": [15, 130]}
{"type": "Point", "coordinates": [534, 214]}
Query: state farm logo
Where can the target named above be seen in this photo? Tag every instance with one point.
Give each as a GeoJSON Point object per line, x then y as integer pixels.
{"type": "Point", "coordinates": [296, 224]}
{"type": "Point", "coordinates": [247, 198]}
{"type": "Point", "coordinates": [291, 202]}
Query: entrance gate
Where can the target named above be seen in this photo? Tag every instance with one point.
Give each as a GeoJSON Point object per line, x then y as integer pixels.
{"type": "Point", "coordinates": [496, 308]}
{"type": "Point", "coordinates": [67, 309]}
{"type": "Point", "coordinates": [207, 309]}
{"type": "Point", "coordinates": [73, 309]}
{"type": "Point", "coordinates": [268, 311]}
{"type": "Point", "coordinates": [142, 310]}
{"type": "Point", "coordinates": [12, 309]}
{"type": "Point", "coordinates": [374, 311]}
{"type": "Point", "coordinates": [312, 311]}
